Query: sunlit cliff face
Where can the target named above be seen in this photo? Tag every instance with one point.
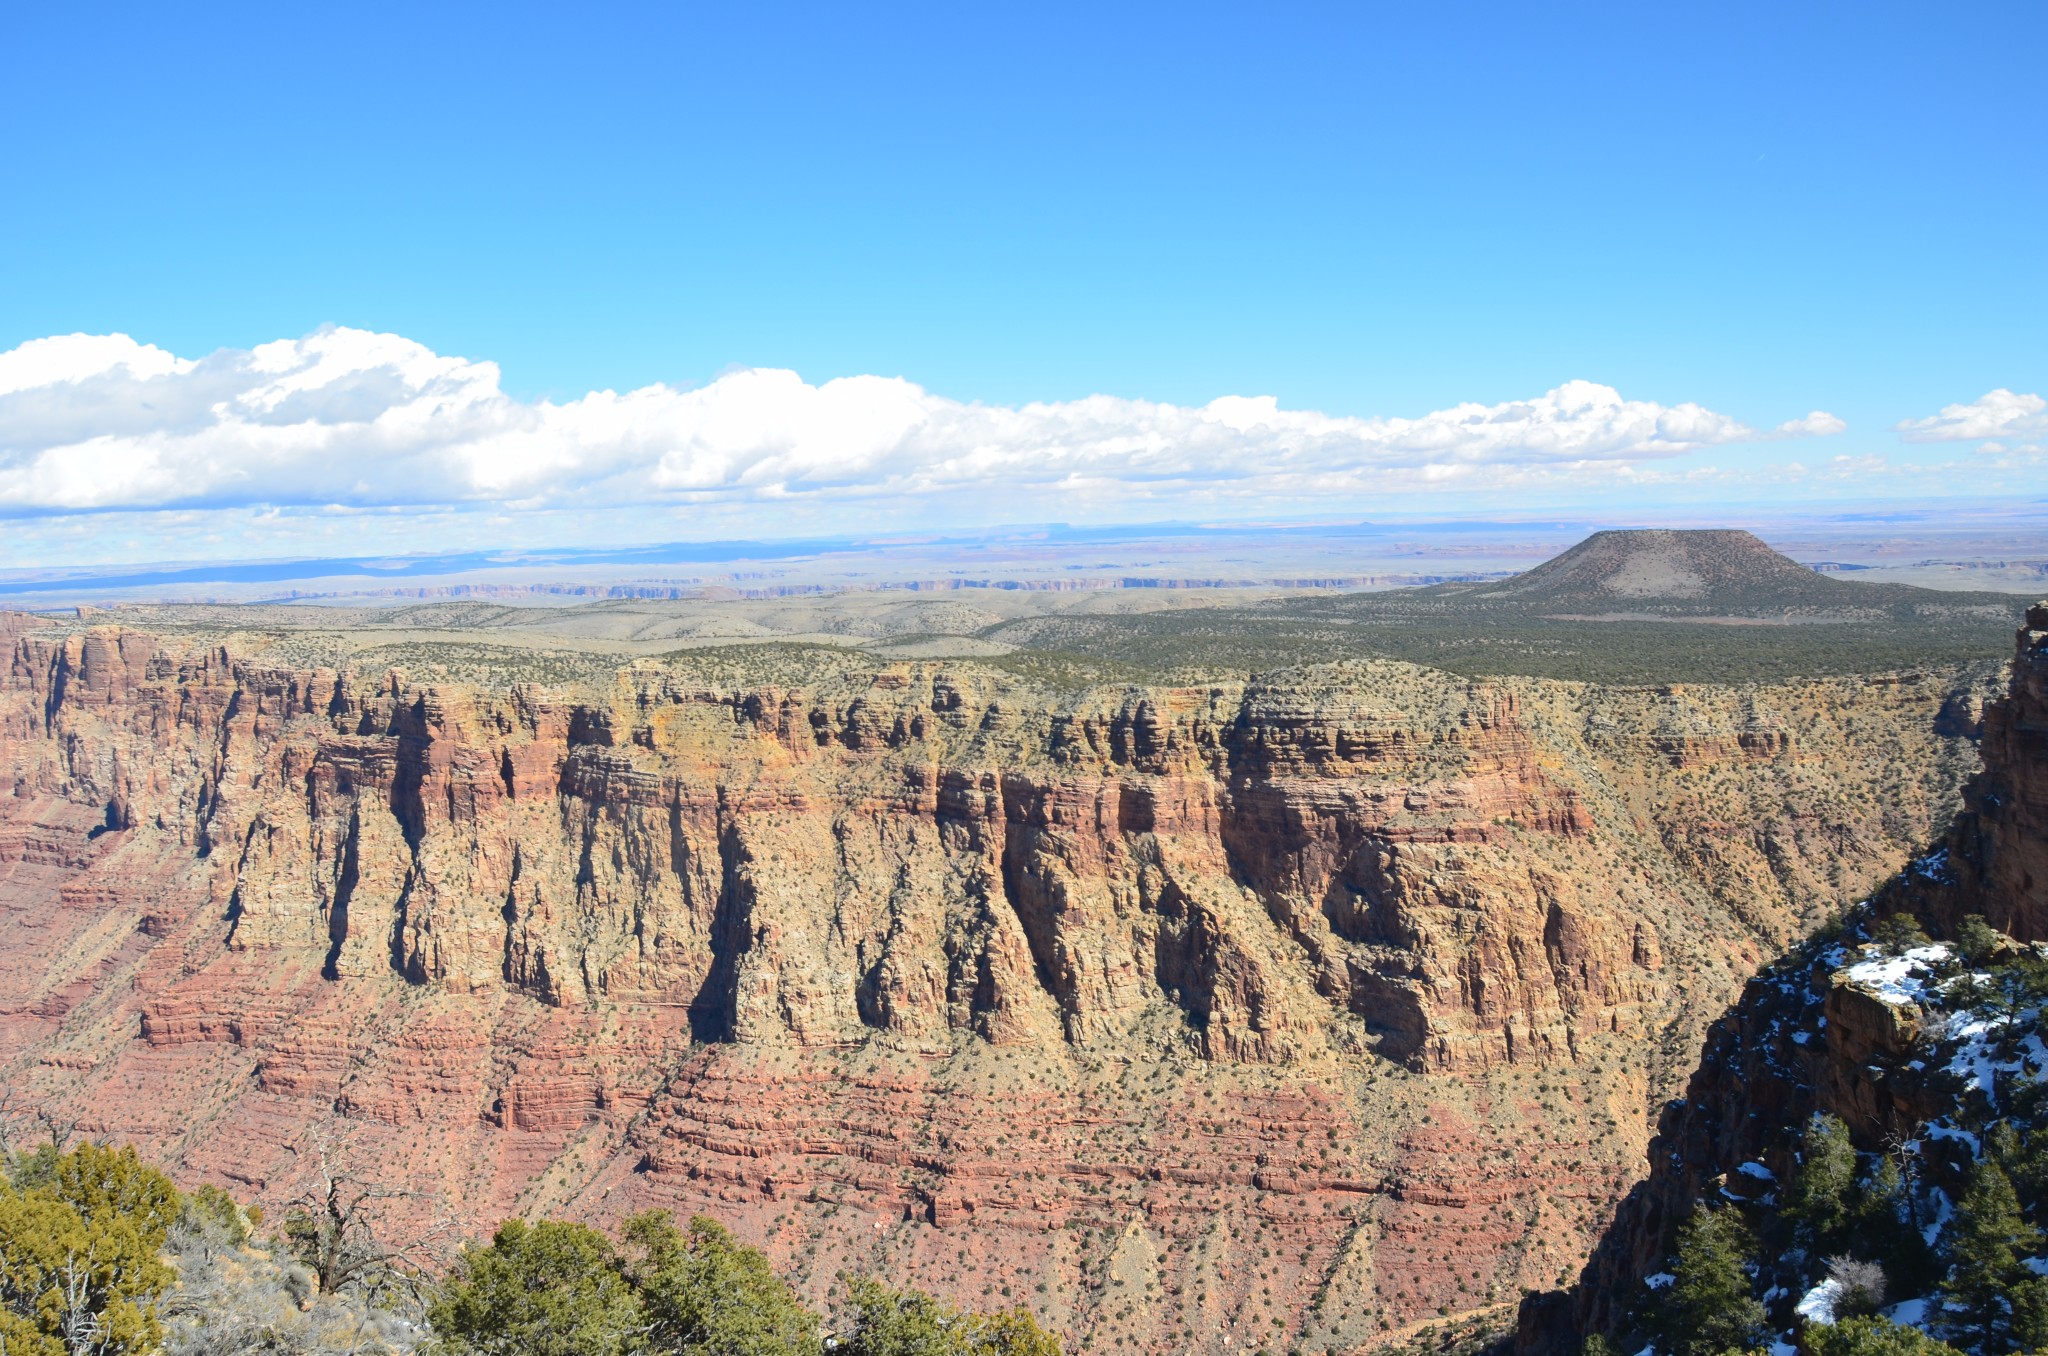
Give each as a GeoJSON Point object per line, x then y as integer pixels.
{"type": "Point", "coordinates": [1336, 997]}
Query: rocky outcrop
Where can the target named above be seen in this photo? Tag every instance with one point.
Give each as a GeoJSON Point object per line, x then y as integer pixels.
{"type": "Point", "coordinates": [1806, 1037]}
{"type": "Point", "coordinates": [1305, 1005]}
{"type": "Point", "coordinates": [1997, 853]}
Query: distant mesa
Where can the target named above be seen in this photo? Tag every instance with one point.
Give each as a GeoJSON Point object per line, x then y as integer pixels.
{"type": "Point", "coordinates": [1715, 569]}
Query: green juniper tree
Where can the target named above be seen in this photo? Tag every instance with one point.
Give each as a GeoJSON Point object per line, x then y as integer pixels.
{"type": "Point", "coordinates": [561, 1289]}
{"type": "Point", "coordinates": [547, 1289]}
{"type": "Point", "coordinates": [704, 1294]}
{"type": "Point", "coordinates": [2023, 1153]}
{"type": "Point", "coordinates": [1871, 1336]}
{"type": "Point", "coordinates": [887, 1322]}
{"type": "Point", "coordinates": [80, 1234]}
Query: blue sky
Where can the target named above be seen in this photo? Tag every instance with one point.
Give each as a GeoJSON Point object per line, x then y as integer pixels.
{"type": "Point", "coordinates": [1371, 212]}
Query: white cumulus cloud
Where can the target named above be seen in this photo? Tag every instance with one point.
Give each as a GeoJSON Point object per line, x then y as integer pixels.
{"type": "Point", "coordinates": [1818, 424]}
{"type": "Point", "coordinates": [358, 419]}
{"type": "Point", "coordinates": [77, 357]}
{"type": "Point", "coordinates": [1996, 414]}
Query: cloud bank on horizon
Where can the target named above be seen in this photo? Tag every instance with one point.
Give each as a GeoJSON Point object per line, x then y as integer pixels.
{"type": "Point", "coordinates": [1997, 416]}
{"type": "Point", "coordinates": [349, 418]}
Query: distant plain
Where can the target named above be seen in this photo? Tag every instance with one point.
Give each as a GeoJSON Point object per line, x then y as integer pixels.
{"type": "Point", "coordinates": [1069, 608]}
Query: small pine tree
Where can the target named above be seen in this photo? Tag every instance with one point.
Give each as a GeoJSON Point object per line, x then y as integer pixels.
{"type": "Point", "coordinates": [1883, 1228]}
{"type": "Point", "coordinates": [886, 1322]}
{"type": "Point", "coordinates": [1817, 1197]}
{"type": "Point", "coordinates": [2030, 973]}
{"type": "Point", "coordinates": [1987, 1243]}
{"type": "Point", "coordinates": [1009, 1332]}
{"type": "Point", "coordinates": [1977, 942]}
{"type": "Point", "coordinates": [216, 1211]}
{"type": "Point", "coordinates": [2025, 1160]}
{"type": "Point", "coordinates": [2029, 1299]}
{"type": "Point", "coordinates": [1709, 1307]}
{"type": "Point", "coordinates": [1897, 933]}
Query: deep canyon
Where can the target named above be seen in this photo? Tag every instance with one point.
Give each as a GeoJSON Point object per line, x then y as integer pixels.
{"type": "Point", "coordinates": [1289, 1010]}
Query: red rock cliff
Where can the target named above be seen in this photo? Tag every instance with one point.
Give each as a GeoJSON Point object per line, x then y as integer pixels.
{"type": "Point", "coordinates": [1295, 1008]}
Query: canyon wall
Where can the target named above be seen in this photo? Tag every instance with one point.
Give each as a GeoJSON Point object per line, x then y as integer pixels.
{"type": "Point", "coordinates": [1805, 1039]}
{"type": "Point", "coordinates": [1285, 1010]}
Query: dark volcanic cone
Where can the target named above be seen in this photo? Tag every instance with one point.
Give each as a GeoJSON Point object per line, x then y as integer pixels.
{"type": "Point", "coordinates": [1713, 570]}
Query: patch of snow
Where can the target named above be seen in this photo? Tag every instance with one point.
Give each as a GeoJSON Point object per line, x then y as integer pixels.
{"type": "Point", "coordinates": [2037, 1265]}
{"type": "Point", "coordinates": [1944, 1211]}
{"type": "Point", "coordinates": [1801, 1037]}
{"type": "Point", "coordinates": [1934, 866]}
{"type": "Point", "coordinates": [1910, 1313]}
{"type": "Point", "coordinates": [1660, 1280]}
{"type": "Point", "coordinates": [1758, 1171]}
{"type": "Point", "coordinates": [1942, 1130]}
{"type": "Point", "coordinates": [1976, 1060]}
{"type": "Point", "coordinates": [1900, 979]}
{"type": "Point", "coordinates": [1818, 1304]}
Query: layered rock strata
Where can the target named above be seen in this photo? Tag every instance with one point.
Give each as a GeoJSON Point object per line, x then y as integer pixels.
{"type": "Point", "coordinates": [1806, 1038]}
{"type": "Point", "coordinates": [1281, 1010]}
